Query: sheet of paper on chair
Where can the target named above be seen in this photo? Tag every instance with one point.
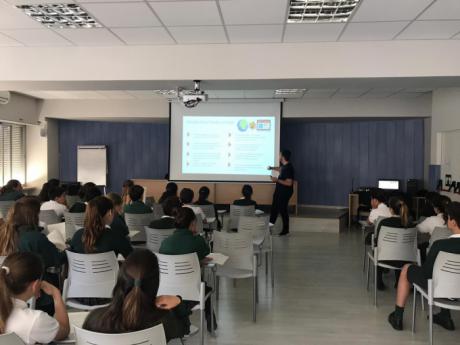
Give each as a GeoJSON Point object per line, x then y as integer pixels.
{"type": "Point", "coordinates": [221, 211]}
{"type": "Point", "coordinates": [210, 220]}
{"type": "Point", "coordinates": [133, 233]}
{"type": "Point", "coordinates": [57, 239]}
{"type": "Point", "coordinates": [218, 258]}
{"type": "Point", "coordinates": [57, 227]}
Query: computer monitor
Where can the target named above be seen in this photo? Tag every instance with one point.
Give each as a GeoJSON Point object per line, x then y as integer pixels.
{"type": "Point", "coordinates": [389, 184]}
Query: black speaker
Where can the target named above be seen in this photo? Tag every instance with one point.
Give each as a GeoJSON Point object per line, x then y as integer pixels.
{"type": "Point", "coordinates": [412, 187]}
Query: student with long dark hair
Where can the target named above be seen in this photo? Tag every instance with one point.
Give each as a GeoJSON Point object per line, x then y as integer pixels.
{"type": "Point", "coordinates": [136, 205]}
{"type": "Point", "coordinates": [118, 225]}
{"type": "Point", "coordinates": [12, 191]}
{"type": "Point", "coordinates": [135, 305]}
{"type": "Point", "coordinates": [21, 233]}
{"type": "Point", "coordinates": [170, 207]}
{"type": "Point", "coordinates": [246, 200]}
{"type": "Point", "coordinates": [87, 192]}
{"type": "Point", "coordinates": [96, 235]}
{"type": "Point", "coordinates": [127, 184]}
{"type": "Point", "coordinates": [20, 280]}
{"type": "Point", "coordinates": [44, 193]}
{"type": "Point", "coordinates": [439, 204]}
{"type": "Point", "coordinates": [171, 190]}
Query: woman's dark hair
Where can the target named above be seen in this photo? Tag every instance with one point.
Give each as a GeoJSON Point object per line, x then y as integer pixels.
{"type": "Point", "coordinates": [399, 207]}
{"type": "Point", "coordinates": [203, 193]}
{"type": "Point", "coordinates": [94, 225]}
{"type": "Point", "coordinates": [91, 193]}
{"type": "Point", "coordinates": [10, 186]}
{"type": "Point", "coordinates": [378, 194]}
{"type": "Point", "coordinates": [286, 154]}
{"type": "Point", "coordinates": [55, 192]}
{"type": "Point", "coordinates": [247, 191]}
{"type": "Point", "coordinates": [23, 212]}
{"type": "Point", "coordinates": [453, 211]}
{"type": "Point", "coordinates": [440, 202]}
{"type": "Point", "coordinates": [186, 195]}
{"type": "Point", "coordinates": [54, 182]}
{"type": "Point", "coordinates": [133, 295]}
{"type": "Point", "coordinates": [84, 189]}
{"type": "Point", "coordinates": [128, 184]}
{"type": "Point", "coordinates": [44, 193]}
{"type": "Point", "coordinates": [171, 190]}
{"type": "Point", "coordinates": [116, 199]}
{"type": "Point", "coordinates": [136, 192]}
{"type": "Point", "coordinates": [171, 205]}
{"type": "Point", "coordinates": [184, 217]}
{"type": "Point", "coordinates": [73, 189]}
{"type": "Point", "coordinates": [19, 270]}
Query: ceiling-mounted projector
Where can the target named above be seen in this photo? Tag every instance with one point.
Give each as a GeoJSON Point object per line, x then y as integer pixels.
{"type": "Point", "coordinates": [4, 97]}
{"type": "Point", "coordinates": [191, 98]}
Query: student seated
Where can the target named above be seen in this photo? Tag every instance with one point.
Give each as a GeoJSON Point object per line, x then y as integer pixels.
{"type": "Point", "coordinates": [246, 199]}
{"type": "Point", "coordinates": [127, 184]}
{"type": "Point", "coordinates": [20, 280]}
{"type": "Point", "coordinates": [419, 275]}
{"type": "Point", "coordinates": [170, 207]}
{"type": "Point", "coordinates": [56, 201]}
{"type": "Point", "coordinates": [185, 240]}
{"type": "Point", "coordinates": [203, 195]}
{"type": "Point", "coordinates": [439, 204]}
{"type": "Point", "coordinates": [171, 190]}
{"type": "Point", "coordinates": [379, 208]}
{"type": "Point", "coordinates": [96, 236]}
{"type": "Point", "coordinates": [87, 193]}
{"type": "Point", "coordinates": [186, 197]}
{"type": "Point", "coordinates": [136, 206]}
{"type": "Point", "coordinates": [12, 191]}
{"type": "Point", "coordinates": [21, 233]}
{"type": "Point", "coordinates": [399, 219]}
{"type": "Point", "coordinates": [118, 225]}
{"type": "Point", "coordinates": [135, 305]}
{"type": "Point", "coordinates": [44, 193]}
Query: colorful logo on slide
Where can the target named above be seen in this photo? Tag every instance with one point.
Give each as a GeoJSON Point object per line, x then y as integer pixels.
{"type": "Point", "coordinates": [243, 125]}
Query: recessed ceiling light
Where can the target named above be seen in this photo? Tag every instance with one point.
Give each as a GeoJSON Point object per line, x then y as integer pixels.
{"type": "Point", "coordinates": [60, 16]}
{"type": "Point", "coordinates": [289, 93]}
{"type": "Point", "coordinates": [320, 11]}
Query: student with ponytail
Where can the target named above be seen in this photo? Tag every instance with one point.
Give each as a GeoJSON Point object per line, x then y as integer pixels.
{"type": "Point", "coordinates": [96, 236]}
{"type": "Point", "coordinates": [20, 280]}
{"type": "Point", "coordinates": [135, 305]}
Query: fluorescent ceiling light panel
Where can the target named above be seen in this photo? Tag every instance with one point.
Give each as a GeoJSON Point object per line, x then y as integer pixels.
{"type": "Point", "coordinates": [60, 16]}
{"type": "Point", "coordinates": [320, 11]}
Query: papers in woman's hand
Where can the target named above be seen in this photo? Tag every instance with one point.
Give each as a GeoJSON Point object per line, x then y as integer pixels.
{"type": "Point", "coordinates": [275, 173]}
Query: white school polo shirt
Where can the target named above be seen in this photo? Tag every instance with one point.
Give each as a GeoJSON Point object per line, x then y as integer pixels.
{"type": "Point", "coordinates": [197, 210]}
{"type": "Point", "coordinates": [431, 223]}
{"type": "Point", "coordinates": [55, 206]}
{"type": "Point", "coordinates": [382, 210]}
{"type": "Point", "coordinates": [32, 326]}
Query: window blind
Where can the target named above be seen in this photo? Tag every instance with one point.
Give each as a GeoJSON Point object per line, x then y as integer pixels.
{"type": "Point", "coordinates": [12, 153]}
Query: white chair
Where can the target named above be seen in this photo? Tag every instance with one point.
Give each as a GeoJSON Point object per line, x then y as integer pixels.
{"type": "Point", "coordinates": [49, 217]}
{"type": "Point", "coordinates": [242, 262]}
{"type": "Point", "coordinates": [237, 211]}
{"type": "Point", "coordinates": [365, 228]}
{"type": "Point", "coordinates": [210, 212]}
{"type": "Point", "coordinates": [5, 207]}
{"type": "Point", "coordinates": [181, 275]}
{"type": "Point", "coordinates": [157, 210]}
{"type": "Point", "coordinates": [2, 258]}
{"type": "Point", "coordinates": [90, 276]}
{"type": "Point", "coordinates": [443, 289]}
{"type": "Point", "coordinates": [393, 244]}
{"type": "Point", "coordinates": [439, 233]}
{"type": "Point", "coordinates": [155, 237]}
{"type": "Point", "coordinates": [72, 200]}
{"type": "Point", "coordinates": [10, 339]}
{"type": "Point", "coordinates": [137, 222]}
{"type": "Point", "coordinates": [150, 336]}
{"type": "Point", "coordinates": [73, 222]}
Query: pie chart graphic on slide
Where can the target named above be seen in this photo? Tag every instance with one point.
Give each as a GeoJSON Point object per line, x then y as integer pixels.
{"type": "Point", "coordinates": [243, 125]}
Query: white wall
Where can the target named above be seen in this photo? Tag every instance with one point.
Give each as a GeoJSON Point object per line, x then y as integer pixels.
{"type": "Point", "coordinates": [36, 157]}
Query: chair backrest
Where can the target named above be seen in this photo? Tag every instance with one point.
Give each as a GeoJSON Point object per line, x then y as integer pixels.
{"type": "Point", "coordinates": [199, 224]}
{"type": "Point", "coordinates": [208, 210]}
{"type": "Point", "coordinates": [257, 227]}
{"type": "Point", "coordinates": [137, 222]}
{"type": "Point", "coordinates": [73, 222]}
{"type": "Point", "coordinates": [180, 275]}
{"type": "Point", "coordinates": [397, 244]}
{"type": "Point", "coordinates": [157, 210]}
{"type": "Point", "coordinates": [2, 259]}
{"type": "Point", "coordinates": [237, 211]}
{"type": "Point", "coordinates": [91, 275]}
{"type": "Point", "coordinates": [149, 336]}
{"type": "Point", "coordinates": [237, 246]}
{"type": "Point", "coordinates": [72, 200]}
{"type": "Point", "coordinates": [446, 276]}
{"type": "Point", "coordinates": [10, 339]}
{"type": "Point", "coordinates": [49, 217]}
{"type": "Point", "coordinates": [5, 207]}
{"type": "Point", "coordinates": [439, 233]}
{"type": "Point", "coordinates": [376, 224]}
{"type": "Point", "coordinates": [156, 236]}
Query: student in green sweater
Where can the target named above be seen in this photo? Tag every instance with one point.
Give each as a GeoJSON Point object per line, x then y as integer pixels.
{"type": "Point", "coordinates": [21, 233]}
{"type": "Point", "coordinates": [136, 206]}
{"type": "Point", "coordinates": [96, 236]}
{"type": "Point", "coordinates": [12, 191]}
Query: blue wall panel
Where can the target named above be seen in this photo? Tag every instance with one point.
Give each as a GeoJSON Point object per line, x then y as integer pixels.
{"type": "Point", "coordinates": [330, 156]}
{"type": "Point", "coordinates": [135, 150]}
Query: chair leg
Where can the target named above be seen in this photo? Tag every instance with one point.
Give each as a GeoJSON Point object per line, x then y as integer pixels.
{"type": "Point", "coordinates": [254, 298]}
{"type": "Point", "coordinates": [414, 306]}
{"type": "Point", "coordinates": [368, 274]}
{"type": "Point", "coordinates": [423, 302]}
{"type": "Point", "coordinates": [266, 267]}
{"type": "Point", "coordinates": [257, 289]}
{"type": "Point", "coordinates": [213, 333]}
{"type": "Point", "coordinates": [202, 327]}
{"type": "Point", "coordinates": [272, 267]}
{"type": "Point", "coordinates": [375, 285]}
{"type": "Point", "coordinates": [364, 259]}
{"type": "Point", "coordinates": [430, 310]}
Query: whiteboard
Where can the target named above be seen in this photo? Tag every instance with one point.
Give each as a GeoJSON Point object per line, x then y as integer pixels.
{"type": "Point", "coordinates": [92, 164]}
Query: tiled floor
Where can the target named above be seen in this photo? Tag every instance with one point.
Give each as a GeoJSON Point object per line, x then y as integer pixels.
{"type": "Point", "coordinates": [319, 298]}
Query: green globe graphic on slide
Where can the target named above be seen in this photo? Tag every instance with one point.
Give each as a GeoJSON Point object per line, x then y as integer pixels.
{"type": "Point", "coordinates": [243, 125]}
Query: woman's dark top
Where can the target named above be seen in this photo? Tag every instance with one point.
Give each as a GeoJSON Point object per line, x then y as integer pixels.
{"type": "Point", "coordinates": [78, 207]}
{"type": "Point", "coordinates": [286, 172]}
{"type": "Point", "coordinates": [109, 241]}
{"type": "Point", "coordinates": [119, 225]}
{"type": "Point", "coordinates": [175, 322]}
{"type": "Point", "coordinates": [245, 202]}
{"type": "Point", "coordinates": [11, 195]}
